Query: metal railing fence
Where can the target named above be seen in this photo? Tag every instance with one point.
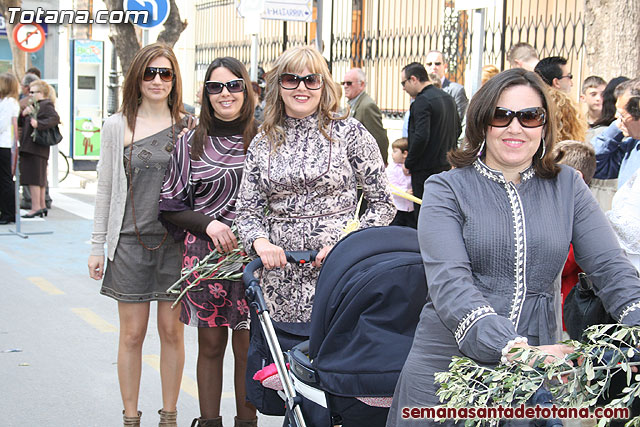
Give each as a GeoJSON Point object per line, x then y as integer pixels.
{"type": "Point", "coordinates": [382, 36]}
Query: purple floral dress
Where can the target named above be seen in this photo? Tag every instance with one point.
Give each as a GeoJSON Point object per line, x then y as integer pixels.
{"type": "Point", "coordinates": [308, 187]}
{"type": "Point", "coordinates": [208, 185]}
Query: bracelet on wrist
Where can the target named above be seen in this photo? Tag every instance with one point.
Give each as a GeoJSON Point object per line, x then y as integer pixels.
{"type": "Point", "coordinates": [507, 348]}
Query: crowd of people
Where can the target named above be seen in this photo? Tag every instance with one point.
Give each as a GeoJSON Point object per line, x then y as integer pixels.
{"type": "Point", "coordinates": [499, 202]}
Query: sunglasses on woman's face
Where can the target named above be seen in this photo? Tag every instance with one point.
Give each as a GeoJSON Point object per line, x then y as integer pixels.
{"type": "Point", "coordinates": [529, 117]}
{"type": "Point", "coordinates": [233, 86]}
{"type": "Point", "coordinates": [290, 81]}
{"type": "Point", "coordinates": [166, 74]}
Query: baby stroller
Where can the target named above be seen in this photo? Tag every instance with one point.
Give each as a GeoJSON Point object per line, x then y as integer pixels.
{"type": "Point", "coordinates": [368, 300]}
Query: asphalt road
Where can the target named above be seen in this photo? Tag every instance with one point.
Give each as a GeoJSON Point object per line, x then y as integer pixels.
{"type": "Point", "coordinates": [58, 335]}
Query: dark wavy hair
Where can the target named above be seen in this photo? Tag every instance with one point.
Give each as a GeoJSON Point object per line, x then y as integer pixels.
{"type": "Point", "coordinates": [131, 86]}
{"type": "Point", "coordinates": [608, 114]}
{"type": "Point", "coordinates": [206, 124]}
{"type": "Point", "coordinates": [480, 113]}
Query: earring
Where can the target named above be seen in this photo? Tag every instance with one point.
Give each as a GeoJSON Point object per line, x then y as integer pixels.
{"type": "Point", "coordinates": [544, 149]}
{"type": "Point", "coordinates": [480, 150]}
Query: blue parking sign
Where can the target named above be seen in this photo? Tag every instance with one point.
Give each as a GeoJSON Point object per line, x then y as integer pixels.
{"type": "Point", "coordinates": [158, 11]}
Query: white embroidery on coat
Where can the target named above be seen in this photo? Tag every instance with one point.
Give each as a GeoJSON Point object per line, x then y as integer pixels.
{"type": "Point", "coordinates": [528, 174]}
{"type": "Point", "coordinates": [519, 233]}
{"type": "Point", "coordinates": [487, 172]}
{"type": "Point", "coordinates": [628, 309]}
{"type": "Point", "coordinates": [520, 241]}
{"type": "Point", "coordinates": [470, 319]}
{"type": "Point", "coordinates": [497, 176]}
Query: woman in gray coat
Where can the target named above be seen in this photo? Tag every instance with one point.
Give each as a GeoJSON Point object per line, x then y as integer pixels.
{"type": "Point", "coordinates": [494, 234]}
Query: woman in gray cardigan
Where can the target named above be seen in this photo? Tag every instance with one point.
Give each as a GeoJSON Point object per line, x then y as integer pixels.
{"type": "Point", "coordinates": [143, 262]}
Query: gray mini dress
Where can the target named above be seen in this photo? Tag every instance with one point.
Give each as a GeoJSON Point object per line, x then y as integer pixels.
{"type": "Point", "coordinates": [136, 273]}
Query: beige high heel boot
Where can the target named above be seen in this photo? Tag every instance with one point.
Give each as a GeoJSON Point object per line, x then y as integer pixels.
{"type": "Point", "coordinates": [168, 419]}
{"type": "Point", "coordinates": [131, 421]}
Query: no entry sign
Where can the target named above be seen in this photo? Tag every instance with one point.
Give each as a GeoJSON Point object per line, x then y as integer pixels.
{"type": "Point", "coordinates": [28, 37]}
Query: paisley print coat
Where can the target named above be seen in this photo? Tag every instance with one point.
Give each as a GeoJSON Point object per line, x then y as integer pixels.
{"type": "Point", "coordinates": [301, 196]}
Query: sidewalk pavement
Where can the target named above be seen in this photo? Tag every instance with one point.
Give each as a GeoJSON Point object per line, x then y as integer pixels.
{"type": "Point", "coordinates": [67, 332]}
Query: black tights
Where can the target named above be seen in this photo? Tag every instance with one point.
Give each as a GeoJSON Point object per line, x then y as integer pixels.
{"type": "Point", "coordinates": [212, 343]}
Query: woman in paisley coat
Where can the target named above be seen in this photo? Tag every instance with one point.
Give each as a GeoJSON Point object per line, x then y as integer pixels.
{"type": "Point", "coordinates": [198, 205]}
{"type": "Point", "coordinates": [494, 234]}
{"type": "Point", "coordinates": [299, 183]}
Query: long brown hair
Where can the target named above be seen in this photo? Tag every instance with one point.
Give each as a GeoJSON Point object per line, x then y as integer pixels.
{"type": "Point", "coordinates": [131, 88]}
{"type": "Point", "coordinates": [8, 86]}
{"type": "Point", "coordinates": [480, 113]}
{"type": "Point", "coordinates": [206, 124]}
{"type": "Point", "coordinates": [295, 60]}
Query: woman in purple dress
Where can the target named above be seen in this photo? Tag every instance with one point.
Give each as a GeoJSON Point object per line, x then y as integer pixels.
{"type": "Point", "coordinates": [197, 205]}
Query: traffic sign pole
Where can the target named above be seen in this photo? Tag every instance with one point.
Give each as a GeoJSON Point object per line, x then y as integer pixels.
{"type": "Point", "coordinates": [251, 10]}
{"type": "Point", "coordinates": [254, 57]}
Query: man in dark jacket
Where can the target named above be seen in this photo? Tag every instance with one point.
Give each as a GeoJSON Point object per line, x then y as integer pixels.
{"type": "Point", "coordinates": [434, 127]}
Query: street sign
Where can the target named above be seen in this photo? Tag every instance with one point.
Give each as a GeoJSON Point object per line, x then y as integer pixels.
{"type": "Point", "coordinates": [283, 10]}
{"type": "Point", "coordinates": [251, 11]}
{"type": "Point", "coordinates": [158, 11]}
{"type": "Point", "coordinates": [28, 37]}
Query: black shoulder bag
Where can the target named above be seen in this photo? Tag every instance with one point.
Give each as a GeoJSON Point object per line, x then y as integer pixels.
{"type": "Point", "coordinates": [583, 308]}
{"type": "Point", "coordinates": [48, 137]}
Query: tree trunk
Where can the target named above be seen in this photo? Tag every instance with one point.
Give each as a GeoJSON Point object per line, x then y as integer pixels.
{"type": "Point", "coordinates": [612, 37]}
{"type": "Point", "coordinates": [173, 26]}
{"type": "Point", "coordinates": [18, 63]}
{"type": "Point", "coordinates": [125, 40]}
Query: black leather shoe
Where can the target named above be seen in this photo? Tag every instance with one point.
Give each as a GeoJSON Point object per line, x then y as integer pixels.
{"type": "Point", "coordinates": [39, 213]}
{"type": "Point", "coordinates": [6, 221]}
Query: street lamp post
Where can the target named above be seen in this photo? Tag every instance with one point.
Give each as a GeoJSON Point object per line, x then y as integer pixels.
{"type": "Point", "coordinates": [112, 105]}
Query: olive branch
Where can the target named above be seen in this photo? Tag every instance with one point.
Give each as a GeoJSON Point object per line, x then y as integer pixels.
{"type": "Point", "coordinates": [579, 380]}
{"type": "Point", "coordinates": [217, 266]}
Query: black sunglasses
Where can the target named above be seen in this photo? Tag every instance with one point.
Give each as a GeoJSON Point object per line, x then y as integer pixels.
{"type": "Point", "coordinates": [429, 64]}
{"type": "Point", "coordinates": [529, 117]}
{"type": "Point", "coordinates": [568, 76]}
{"type": "Point", "coordinates": [166, 74]}
{"type": "Point", "coordinates": [233, 86]}
{"type": "Point", "coordinates": [290, 81]}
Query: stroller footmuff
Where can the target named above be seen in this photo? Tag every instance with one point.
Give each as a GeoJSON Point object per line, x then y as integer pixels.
{"type": "Point", "coordinates": [367, 304]}
{"type": "Point", "coordinates": [368, 300]}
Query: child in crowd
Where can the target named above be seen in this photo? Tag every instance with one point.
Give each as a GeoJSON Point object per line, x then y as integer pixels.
{"type": "Point", "coordinates": [591, 95]}
{"type": "Point", "coordinates": [401, 178]}
{"type": "Point", "coordinates": [582, 158]}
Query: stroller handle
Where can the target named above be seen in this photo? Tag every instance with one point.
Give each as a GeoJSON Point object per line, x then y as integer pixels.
{"type": "Point", "coordinates": [251, 283]}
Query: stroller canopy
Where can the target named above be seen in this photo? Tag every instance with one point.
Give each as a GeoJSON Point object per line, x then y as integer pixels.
{"type": "Point", "coordinates": [368, 300]}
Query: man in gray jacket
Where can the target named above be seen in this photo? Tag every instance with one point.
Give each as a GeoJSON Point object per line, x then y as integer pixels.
{"type": "Point", "coordinates": [364, 109]}
{"type": "Point", "coordinates": [436, 64]}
